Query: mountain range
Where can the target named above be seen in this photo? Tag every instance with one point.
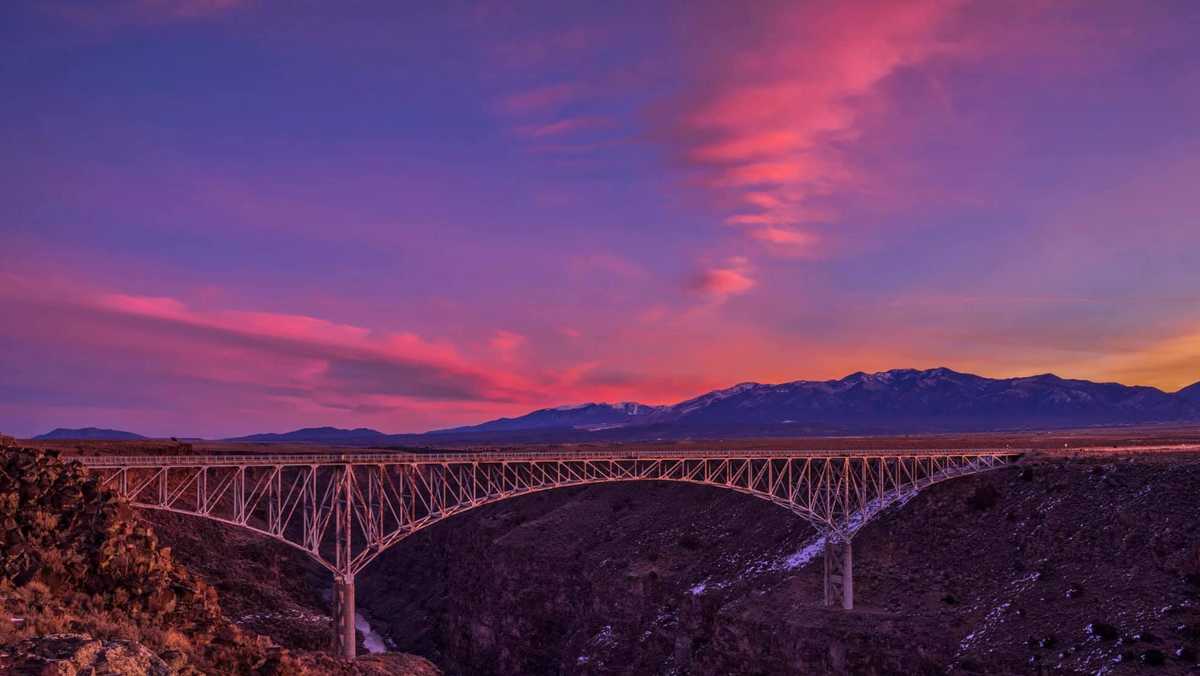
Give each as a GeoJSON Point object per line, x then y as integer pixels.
{"type": "Point", "coordinates": [888, 402]}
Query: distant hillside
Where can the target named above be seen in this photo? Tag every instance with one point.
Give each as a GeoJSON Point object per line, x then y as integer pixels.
{"type": "Point", "coordinates": [327, 435]}
{"type": "Point", "coordinates": [591, 417]}
{"type": "Point", "coordinates": [1191, 393]}
{"type": "Point", "coordinates": [89, 434]}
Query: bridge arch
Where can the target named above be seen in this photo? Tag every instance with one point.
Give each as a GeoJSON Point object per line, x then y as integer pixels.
{"type": "Point", "coordinates": [344, 510]}
{"type": "Point", "coordinates": [401, 535]}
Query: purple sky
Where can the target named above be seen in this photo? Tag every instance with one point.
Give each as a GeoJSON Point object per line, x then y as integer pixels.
{"type": "Point", "coordinates": [230, 216]}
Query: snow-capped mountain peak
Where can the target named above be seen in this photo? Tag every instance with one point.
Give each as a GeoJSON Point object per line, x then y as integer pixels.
{"type": "Point", "coordinates": [898, 400]}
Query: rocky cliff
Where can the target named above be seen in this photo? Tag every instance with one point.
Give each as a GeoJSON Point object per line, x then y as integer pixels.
{"type": "Point", "coordinates": [85, 588]}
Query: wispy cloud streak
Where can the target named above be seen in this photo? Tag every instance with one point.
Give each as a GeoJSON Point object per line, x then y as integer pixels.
{"type": "Point", "coordinates": [768, 128]}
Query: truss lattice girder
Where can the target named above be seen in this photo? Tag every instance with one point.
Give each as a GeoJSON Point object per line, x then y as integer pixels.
{"type": "Point", "coordinates": [345, 509]}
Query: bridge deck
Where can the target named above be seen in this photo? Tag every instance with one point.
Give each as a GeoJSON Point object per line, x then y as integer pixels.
{"type": "Point", "coordinates": [386, 458]}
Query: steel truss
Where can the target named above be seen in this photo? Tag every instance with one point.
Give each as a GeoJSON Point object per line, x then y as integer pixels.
{"type": "Point", "coordinates": [344, 510]}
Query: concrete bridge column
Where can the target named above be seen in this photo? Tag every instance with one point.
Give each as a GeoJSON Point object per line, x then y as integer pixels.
{"type": "Point", "coordinates": [839, 572]}
{"type": "Point", "coordinates": [345, 638]}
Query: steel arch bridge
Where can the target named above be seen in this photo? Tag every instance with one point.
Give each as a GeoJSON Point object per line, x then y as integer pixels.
{"type": "Point", "coordinates": [345, 509]}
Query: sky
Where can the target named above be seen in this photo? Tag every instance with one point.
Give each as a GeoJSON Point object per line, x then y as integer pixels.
{"type": "Point", "coordinates": [220, 217]}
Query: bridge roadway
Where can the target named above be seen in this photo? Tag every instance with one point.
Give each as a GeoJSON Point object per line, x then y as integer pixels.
{"type": "Point", "coordinates": [373, 457]}
{"type": "Point", "coordinates": [344, 509]}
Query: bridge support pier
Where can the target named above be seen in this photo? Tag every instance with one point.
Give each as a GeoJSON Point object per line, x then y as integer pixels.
{"type": "Point", "coordinates": [345, 637]}
{"type": "Point", "coordinates": [839, 572]}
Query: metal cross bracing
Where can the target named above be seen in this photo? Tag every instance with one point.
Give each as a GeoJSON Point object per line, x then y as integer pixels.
{"type": "Point", "coordinates": [344, 510]}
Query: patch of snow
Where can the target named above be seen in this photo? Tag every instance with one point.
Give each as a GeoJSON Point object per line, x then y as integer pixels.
{"type": "Point", "coordinates": [603, 638]}
{"type": "Point", "coordinates": [571, 407]}
{"type": "Point", "coordinates": [993, 616]}
{"type": "Point", "coordinates": [372, 641]}
{"type": "Point", "coordinates": [714, 396]}
{"type": "Point", "coordinates": [989, 621]}
{"type": "Point", "coordinates": [816, 546]}
{"type": "Point", "coordinates": [629, 406]}
{"type": "Point", "coordinates": [698, 589]}
{"type": "Point", "coordinates": [736, 389]}
{"type": "Point", "coordinates": [601, 426]}
{"type": "Point", "coordinates": [809, 552]}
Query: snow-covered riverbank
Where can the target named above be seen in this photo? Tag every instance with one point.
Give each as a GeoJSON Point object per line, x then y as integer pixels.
{"type": "Point", "coordinates": [372, 641]}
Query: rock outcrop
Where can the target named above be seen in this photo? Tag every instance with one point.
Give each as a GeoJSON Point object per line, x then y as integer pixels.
{"type": "Point", "coordinates": [86, 588]}
{"type": "Point", "coordinates": [72, 654]}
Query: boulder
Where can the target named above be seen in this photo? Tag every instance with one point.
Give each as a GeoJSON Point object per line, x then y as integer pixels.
{"type": "Point", "coordinates": [72, 654]}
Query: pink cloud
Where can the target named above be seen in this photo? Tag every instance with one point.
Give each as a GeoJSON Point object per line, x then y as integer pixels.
{"type": "Point", "coordinates": [786, 239]}
{"type": "Point", "coordinates": [270, 349]}
{"type": "Point", "coordinates": [721, 282]}
{"type": "Point", "coordinates": [608, 264]}
{"type": "Point", "coordinates": [519, 49]}
{"type": "Point", "coordinates": [540, 98]}
{"type": "Point", "coordinates": [768, 130]}
{"type": "Point", "coordinates": [563, 126]}
{"type": "Point", "coordinates": [163, 364]}
{"type": "Point", "coordinates": [506, 343]}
